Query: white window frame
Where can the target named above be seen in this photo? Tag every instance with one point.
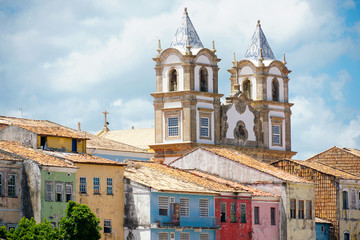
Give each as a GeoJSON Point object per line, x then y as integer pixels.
{"type": "Point", "coordinates": [109, 186]}
{"type": "Point", "coordinates": [83, 185]}
{"type": "Point", "coordinates": [205, 113]}
{"type": "Point", "coordinates": [204, 207]}
{"type": "Point", "coordinates": [277, 122]}
{"type": "Point", "coordinates": [184, 207]}
{"type": "Point", "coordinates": [163, 236]}
{"type": "Point", "coordinates": [49, 193]}
{"type": "Point", "coordinates": [107, 224]}
{"type": "Point", "coordinates": [68, 191]}
{"type": "Point", "coordinates": [164, 204]}
{"type": "Point", "coordinates": [97, 189]}
{"type": "Point", "coordinates": [168, 114]}
{"type": "Point", "coordinates": [204, 127]}
{"type": "Point", "coordinates": [12, 185]}
{"type": "Point", "coordinates": [59, 189]}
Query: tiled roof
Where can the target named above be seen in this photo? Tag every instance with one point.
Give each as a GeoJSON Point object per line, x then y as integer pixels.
{"type": "Point", "coordinates": [188, 176]}
{"type": "Point", "coordinates": [320, 220]}
{"type": "Point", "coordinates": [33, 154]}
{"type": "Point", "coordinates": [140, 138]}
{"type": "Point", "coordinates": [346, 159]}
{"type": "Point", "coordinates": [43, 127]}
{"type": "Point", "coordinates": [84, 158]}
{"type": "Point", "coordinates": [161, 180]}
{"type": "Point", "coordinates": [253, 163]}
{"type": "Point", "coordinates": [108, 144]}
{"type": "Point", "coordinates": [324, 169]}
{"type": "Point", "coordinates": [9, 156]}
{"type": "Point", "coordinates": [232, 184]}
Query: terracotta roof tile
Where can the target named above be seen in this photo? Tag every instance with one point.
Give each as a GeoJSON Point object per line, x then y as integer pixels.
{"type": "Point", "coordinates": [160, 180]}
{"type": "Point", "coordinates": [84, 158]}
{"type": "Point", "coordinates": [107, 144]}
{"type": "Point", "coordinates": [43, 127]}
{"type": "Point", "coordinates": [246, 160]}
{"type": "Point", "coordinates": [33, 154]}
{"type": "Point", "coordinates": [233, 184]}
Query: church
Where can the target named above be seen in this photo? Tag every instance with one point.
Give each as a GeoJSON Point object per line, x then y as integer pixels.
{"type": "Point", "coordinates": [255, 119]}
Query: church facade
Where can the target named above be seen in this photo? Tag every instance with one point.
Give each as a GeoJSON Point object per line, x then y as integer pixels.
{"type": "Point", "coordinates": [255, 118]}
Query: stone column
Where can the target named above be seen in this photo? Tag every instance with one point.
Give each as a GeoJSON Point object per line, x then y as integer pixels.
{"type": "Point", "coordinates": [288, 129]}
{"type": "Point", "coordinates": [158, 105]}
{"type": "Point", "coordinates": [159, 79]}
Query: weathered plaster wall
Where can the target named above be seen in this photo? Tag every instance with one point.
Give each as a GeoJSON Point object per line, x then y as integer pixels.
{"type": "Point", "coordinates": [10, 207]}
{"type": "Point", "coordinates": [264, 230]}
{"type": "Point", "coordinates": [16, 133]}
{"type": "Point", "coordinates": [53, 211]}
{"type": "Point", "coordinates": [33, 176]}
{"type": "Point", "coordinates": [322, 231]}
{"type": "Point", "coordinates": [105, 206]}
{"type": "Point", "coordinates": [233, 116]}
{"type": "Point", "coordinates": [137, 233]}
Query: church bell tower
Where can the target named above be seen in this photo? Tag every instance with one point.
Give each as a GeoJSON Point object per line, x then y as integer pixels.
{"type": "Point", "coordinates": [186, 101]}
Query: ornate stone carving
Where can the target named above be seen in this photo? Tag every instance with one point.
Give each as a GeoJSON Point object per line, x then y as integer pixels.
{"type": "Point", "coordinates": [240, 131]}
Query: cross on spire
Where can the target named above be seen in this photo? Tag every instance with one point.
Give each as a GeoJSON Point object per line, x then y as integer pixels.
{"type": "Point", "coordinates": [106, 124]}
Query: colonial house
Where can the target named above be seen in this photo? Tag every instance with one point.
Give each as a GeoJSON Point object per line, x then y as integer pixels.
{"type": "Point", "coordinates": [337, 195]}
{"type": "Point", "coordinates": [42, 134]}
{"type": "Point", "coordinates": [159, 205]}
{"type": "Point", "coordinates": [236, 166]}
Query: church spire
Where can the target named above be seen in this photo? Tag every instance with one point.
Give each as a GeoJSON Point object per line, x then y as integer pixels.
{"type": "Point", "coordinates": [186, 35]}
{"type": "Point", "coordinates": [258, 41]}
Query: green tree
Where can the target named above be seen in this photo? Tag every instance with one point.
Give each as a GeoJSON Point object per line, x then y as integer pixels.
{"type": "Point", "coordinates": [80, 223]}
{"type": "Point", "coordinates": [3, 233]}
{"type": "Point", "coordinates": [29, 229]}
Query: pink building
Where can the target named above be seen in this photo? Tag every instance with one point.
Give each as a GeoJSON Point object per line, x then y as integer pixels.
{"type": "Point", "coordinates": [265, 218]}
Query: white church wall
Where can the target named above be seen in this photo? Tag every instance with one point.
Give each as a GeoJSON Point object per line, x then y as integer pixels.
{"type": "Point", "coordinates": [203, 59]}
{"type": "Point", "coordinates": [246, 70]}
{"type": "Point", "coordinates": [275, 71]}
{"type": "Point", "coordinates": [172, 59]}
{"type": "Point", "coordinates": [172, 105]}
{"type": "Point", "coordinates": [247, 117]}
{"type": "Point", "coordinates": [198, 139]}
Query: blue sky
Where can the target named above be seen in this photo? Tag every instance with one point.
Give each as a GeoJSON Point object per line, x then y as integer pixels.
{"type": "Point", "coordinates": [68, 61]}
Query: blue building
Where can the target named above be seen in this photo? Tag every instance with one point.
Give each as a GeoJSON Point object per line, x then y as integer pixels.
{"type": "Point", "coordinates": [159, 205]}
{"type": "Point", "coordinates": [322, 228]}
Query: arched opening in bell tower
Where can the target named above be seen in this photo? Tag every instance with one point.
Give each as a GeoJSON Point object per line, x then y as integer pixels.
{"type": "Point", "coordinates": [275, 90]}
{"type": "Point", "coordinates": [173, 80]}
{"type": "Point", "coordinates": [246, 86]}
{"type": "Point", "coordinates": [203, 80]}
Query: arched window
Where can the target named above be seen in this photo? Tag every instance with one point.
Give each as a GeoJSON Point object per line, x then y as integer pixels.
{"type": "Point", "coordinates": [275, 90]}
{"type": "Point", "coordinates": [203, 80]}
{"type": "Point", "coordinates": [173, 80]}
{"type": "Point", "coordinates": [247, 88]}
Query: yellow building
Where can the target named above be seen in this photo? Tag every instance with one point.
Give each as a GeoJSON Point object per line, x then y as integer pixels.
{"type": "Point", "coordinates": [99, 184]}
{"type": "Point", "coordinates": [42, 134]}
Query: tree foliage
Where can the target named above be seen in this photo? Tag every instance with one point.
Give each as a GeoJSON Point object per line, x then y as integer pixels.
{"type": "Point", "coordinates": [80, 223]}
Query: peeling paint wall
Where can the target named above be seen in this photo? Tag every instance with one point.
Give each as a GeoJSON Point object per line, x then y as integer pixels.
{"type": "Point", "coordinates": [10, 207]}
{"type": "Point", "coordinates": [15, 133]}
{"type": "Point", "coordinates": [104, 205]}
{"type": "Point", "coordinates": [62, 144]}
{"type": "Point", "coordinates": [265, 230]}
{"type": "Point", "coordinates": [33, 176]}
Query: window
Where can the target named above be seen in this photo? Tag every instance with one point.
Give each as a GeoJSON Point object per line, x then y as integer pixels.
{"type": "Point", "coordinates": [172, 236]}
{"type": "Point", "coordinates": [203, 80]}
{"type": "Point", "coordinates": [11, 185]}
{"type": "Point", "coordinates": [243, 213]}
{"type": "Point", "coordinates": [204, 127]}
{"type": "Point", "coordinates": [59, 191]}
{"type": "Point", "coordinates": [173, 126]}
{"type": "Point", "coordinates": [204, 207]}
{"type": "Point", "coordinates": [345, 200]}
{"type": "Point", "coordinates": [74, 145]}
{"type": "Point", "coordinates": [184, 207]}
{"type": "Point", "coordinates": [68, 191]}
{"type": "Point", "coordinates": [246, 86]}
{"type": "Point", "coordinates": [1, 184]}
{"type": "Point", "coordinates": [204, 236]}
{"type": "Point", "coordinates": [308, 209]}
{"type": "Point", "coordinates": [353, 199]}
{"type": "Point", "coordinates": [163, 236]}
{"type": "Point", "coordinates": [256, 215]}
{"type": "Point", "coordinates": [107, 226]}
{"type": "Point", "coordinates": [184, 236]}
{"type": "Point", "coordinates": [301, 209]}
{"type": "Point", "coordinates": [43, 142]}
{"type": "Point", "coordinates": [96, 185]}
{"type": "Point", "coordinates": [82, 186]}
{"type": "Point", "coordinates": [49, 191]}
{"type": "Point", "coordinates": [233, 212]}
{"type": "Point", "coordinates": [163, 206]}
{"type": "Point", "coordinates": [292, 208]}
{"type": "Point", "coordinates": [173, 80]}
{"type": "Point", "coordinates": [109, 184]}
{"type": "Point", "coordinates": [276, 134]}
{"type": "Point", "coordinates": [275, 90]}
{"type": "Point", "coordinates": [272, 216]}
{"type": "Point", "coordinates": [223, 212]}
{"type": "Point", "coordinates": [346, 236]}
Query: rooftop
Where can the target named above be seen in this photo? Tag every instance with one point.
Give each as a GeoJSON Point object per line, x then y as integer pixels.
{"type": "Point", "coordinates": [43, 127]}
